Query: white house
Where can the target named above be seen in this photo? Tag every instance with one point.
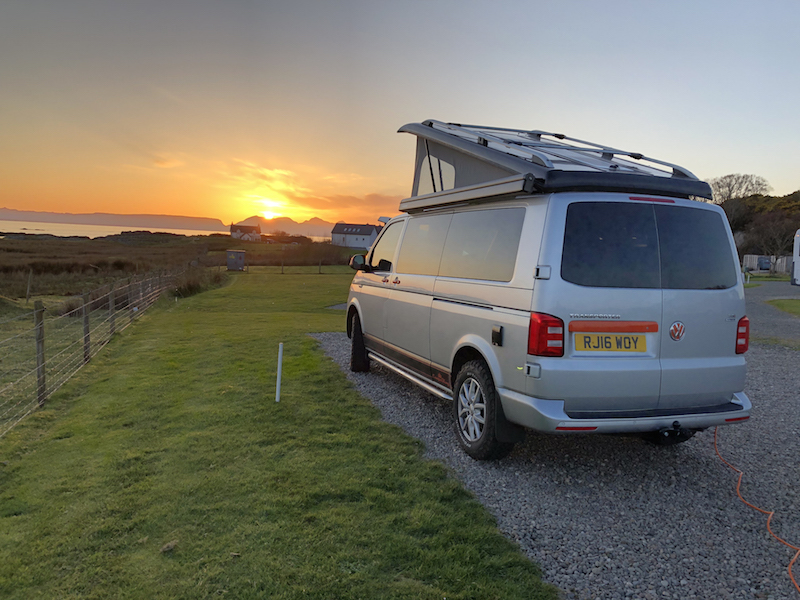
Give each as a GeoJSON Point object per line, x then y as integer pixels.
{"type": "Point", "coordinates": [354, 236]}
{"type": "Point", "coordinates": [248, 233]}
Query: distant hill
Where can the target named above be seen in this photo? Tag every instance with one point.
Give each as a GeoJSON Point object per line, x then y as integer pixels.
{"type": "Point", "coordinates": [316, 227]}
{"type": "Point", "coordinates": [143, 221]}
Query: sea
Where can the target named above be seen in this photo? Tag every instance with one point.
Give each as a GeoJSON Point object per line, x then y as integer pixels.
{"type": "Point", "coordinates": [96, 231]}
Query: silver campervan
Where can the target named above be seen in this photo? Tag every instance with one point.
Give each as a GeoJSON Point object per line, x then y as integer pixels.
{"type": "Point", "coordinates": [543, 282]}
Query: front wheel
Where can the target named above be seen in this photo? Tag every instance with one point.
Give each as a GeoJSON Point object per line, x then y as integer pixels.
{"type": "Point", "coordinates": [359, 361]}
{"type": "Point", "coordinates": [475, 402]}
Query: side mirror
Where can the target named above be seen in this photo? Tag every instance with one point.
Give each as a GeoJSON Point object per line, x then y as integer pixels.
{"type": "Point", "coordinates": [358, 262]}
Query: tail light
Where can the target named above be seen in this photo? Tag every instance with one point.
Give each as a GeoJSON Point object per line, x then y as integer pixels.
{"type": "Point", "coordinates": [743, 335]}
{"type": "Point", "coordinates": [545, 335]}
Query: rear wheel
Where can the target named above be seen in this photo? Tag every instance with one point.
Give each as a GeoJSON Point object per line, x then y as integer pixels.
{"type": "Point", "coordinates": [359, 361]}
{"type": "Point", "coordinates": [475, 403]}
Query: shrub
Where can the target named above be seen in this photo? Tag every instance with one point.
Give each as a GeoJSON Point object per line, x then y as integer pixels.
{"type": "Point", "coordinates": [198, 279]}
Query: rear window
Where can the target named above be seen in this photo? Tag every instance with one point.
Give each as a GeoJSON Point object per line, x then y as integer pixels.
{"type": "Point", "coordinates": [610, 244]}
{"type": "Point", "coordinates": [695, 251]}
{"type": "Point", "coordinates": [623, 245]}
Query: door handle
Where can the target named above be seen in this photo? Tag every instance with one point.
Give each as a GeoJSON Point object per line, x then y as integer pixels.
{"type": "Point", "coordinates": [396, 281]}
{"type": "Point", "coordinates": [385, 280]}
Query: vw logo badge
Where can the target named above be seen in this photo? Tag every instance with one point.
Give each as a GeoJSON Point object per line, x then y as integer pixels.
{"type": "Point", "coordinates": [676, 331]}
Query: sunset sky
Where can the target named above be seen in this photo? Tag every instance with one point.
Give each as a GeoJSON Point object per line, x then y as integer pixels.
{"type": "Point", "coordinates": [233, 108]}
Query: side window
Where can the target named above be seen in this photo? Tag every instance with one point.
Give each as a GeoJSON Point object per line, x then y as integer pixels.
{"type": "Point", "coordinates": [421, 248]}
{"type": "Point", "coordinates": [611, 244]}
{"type": "Point", "coordinates": [435, 175]}
{"type": "Point", "coordinates": [383, 253]}
{"type": "Point", "coordinates": [483, 244]}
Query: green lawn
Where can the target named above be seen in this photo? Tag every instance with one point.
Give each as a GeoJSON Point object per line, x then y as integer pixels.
{"type": "Point", "coordinates": [768, 277]}
{"type": "Point", "coordinates": [790, 306]}
{"type": "Point", "coordinates": [165, 469]}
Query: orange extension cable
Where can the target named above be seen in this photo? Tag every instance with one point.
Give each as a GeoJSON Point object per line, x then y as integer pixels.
{"type": "Point", "coordinates": [761, 510]}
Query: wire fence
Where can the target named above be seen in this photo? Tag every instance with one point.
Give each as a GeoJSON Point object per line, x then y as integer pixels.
{"type": "Point", "coordinates": [41, 349]}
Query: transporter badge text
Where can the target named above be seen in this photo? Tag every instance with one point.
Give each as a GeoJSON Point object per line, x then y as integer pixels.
{"type": "Point", "coordinates": [593, 316]}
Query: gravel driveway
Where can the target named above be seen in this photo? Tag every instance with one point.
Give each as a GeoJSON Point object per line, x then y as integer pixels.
{"type": "Point", "coordinates": [613, 517]}
{"type": "Point", "coordinates": [766, 321]}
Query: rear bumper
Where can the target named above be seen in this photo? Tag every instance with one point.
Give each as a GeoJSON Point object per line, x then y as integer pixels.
{"type": "Point", "coordinates": [549, 416]}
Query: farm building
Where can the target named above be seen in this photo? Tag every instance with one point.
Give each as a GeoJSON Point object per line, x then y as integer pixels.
{"type": "Point", "coordinates": [354, 236]}
{"type": "Point", "coordinates": [248, 233]}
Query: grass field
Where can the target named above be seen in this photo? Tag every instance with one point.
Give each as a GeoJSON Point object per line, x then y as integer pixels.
{"type": "Point", "coordinates": [165, 469]}
{"type": "Point", "coordinates": [787, 305]}
{"type": "Point", "coordinates": [767, 277]}
{"type": "Point", "coordinates": [51, 266]}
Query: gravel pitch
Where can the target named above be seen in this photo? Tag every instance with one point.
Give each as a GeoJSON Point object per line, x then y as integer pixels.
{"type": "Point", "coordinates": [613, 517]}
{"type": "Point", "coordinates": [766, 321]}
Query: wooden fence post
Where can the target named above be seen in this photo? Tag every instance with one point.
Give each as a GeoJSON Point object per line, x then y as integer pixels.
{"type": "Point", "coordinates": [30, 281]}
{"type": "Point", "coordinates": [87, 344]}
{"type": "Point", "coordinates": [112, 311]}
{"type": "Point", "coordinates": [38, 319]}
{"type": "Point", "coordinates": [130, 299]}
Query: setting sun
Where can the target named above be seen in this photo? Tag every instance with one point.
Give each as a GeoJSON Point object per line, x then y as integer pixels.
{"type": "Point", "coordinates": [270, 215]}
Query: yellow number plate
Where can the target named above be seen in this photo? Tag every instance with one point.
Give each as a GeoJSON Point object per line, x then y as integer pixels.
{"type": "Point", "coordinates": [610, 342]}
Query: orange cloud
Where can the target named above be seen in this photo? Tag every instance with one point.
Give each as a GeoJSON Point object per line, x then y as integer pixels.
{"type": "Point", "coordinates": [301, 193]}
{"type": "Point", "coordinates": [166, 162]}
{"type": "Point", "coordinates": [354, 209]}
{"type": "Point", "coordinates": [344, 178]}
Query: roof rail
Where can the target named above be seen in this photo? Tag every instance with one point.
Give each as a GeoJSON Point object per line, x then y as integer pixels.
{"type": "Point", "coordinates": [521, 141]}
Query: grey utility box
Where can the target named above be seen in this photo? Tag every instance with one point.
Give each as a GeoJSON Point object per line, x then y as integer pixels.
{"type": "Point", "coordinates": [236, 260]}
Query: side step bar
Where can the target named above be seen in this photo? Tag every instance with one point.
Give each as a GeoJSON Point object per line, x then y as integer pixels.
{"type": "Point", "coordinates": [436, 391]}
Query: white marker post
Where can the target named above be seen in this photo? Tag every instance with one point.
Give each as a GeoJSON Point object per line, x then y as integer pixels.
{"type": "Point", "coordinates": [280, 365]}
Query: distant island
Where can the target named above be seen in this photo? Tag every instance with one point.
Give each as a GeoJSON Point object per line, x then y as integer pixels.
{"type": "Point", "coordinates": [313, 227]}
{"type": "Point", "coordinates": [109, 219]}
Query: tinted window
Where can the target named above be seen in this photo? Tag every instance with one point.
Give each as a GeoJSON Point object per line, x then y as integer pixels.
{"type": "Point", "coordinates": [695, 249]}
{"type": "Point", "coordinates": [615, 244]}
{"type": "Point", "coordinates": [383, 253]}
{"type": "Point", "coordinates": [422, 245]}
{"type": "Point", "coordinates": [610, 244]}
{"type": "Point", "coordinates": [483, 244]}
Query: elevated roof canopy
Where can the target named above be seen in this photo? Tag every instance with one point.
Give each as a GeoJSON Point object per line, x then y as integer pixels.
{"type": "Point", "coordinates": [456, 163]}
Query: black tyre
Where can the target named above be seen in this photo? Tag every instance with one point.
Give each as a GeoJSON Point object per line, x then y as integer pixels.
{"type": "Point", "coordinates": [359, 361]}
{"type": "Point", "coordinates": [668, 437]}
{"type": "Point", "coordinates": [475, 401]}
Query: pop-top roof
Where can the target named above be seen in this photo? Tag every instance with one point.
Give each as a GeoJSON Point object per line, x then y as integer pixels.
{"type": "Point", "coordinates": [460, 162]}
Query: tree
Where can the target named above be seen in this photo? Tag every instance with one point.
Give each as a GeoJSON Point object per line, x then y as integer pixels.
{"type": "Point", "coordinates": [773, 234]}
{"type": "Point", "coordinates": [738, 212]}
{"type": "Point", "coordinates": [737, 185]}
